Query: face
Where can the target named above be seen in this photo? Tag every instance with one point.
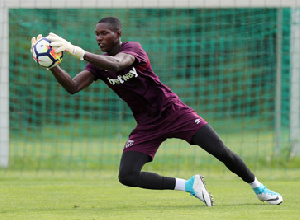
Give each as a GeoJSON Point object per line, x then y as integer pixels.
{"type": "Point", "coordinates": [107, 39]}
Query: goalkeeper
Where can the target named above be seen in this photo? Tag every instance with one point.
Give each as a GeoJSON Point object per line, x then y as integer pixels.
{"type": "Point", "coordinates": [159, 113]}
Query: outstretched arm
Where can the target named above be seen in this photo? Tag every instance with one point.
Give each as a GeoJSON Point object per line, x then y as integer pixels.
{"type": "Point", "coordinates": [114, 63]}
{"type": "Point", "coordinates": [79, 82]}
{"type": "Point", "coordinates": [72, 86]}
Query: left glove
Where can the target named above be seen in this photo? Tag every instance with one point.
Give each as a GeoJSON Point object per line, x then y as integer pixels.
{"type": "Point", "coordinates": [61, 44]}
{"type": "Point", "coordinates": [34, 40]}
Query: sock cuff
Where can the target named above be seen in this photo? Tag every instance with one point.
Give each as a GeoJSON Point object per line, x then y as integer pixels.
{"type": "Point", "coordinates": [255, 183]}
{"type": "Point", "coordinates": [180, 184]}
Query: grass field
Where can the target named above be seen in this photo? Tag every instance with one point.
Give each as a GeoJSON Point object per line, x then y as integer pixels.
{"type": "Point", "coordinates": [99, 195]}
{"type": "Point", "coordinates": [69, 177]}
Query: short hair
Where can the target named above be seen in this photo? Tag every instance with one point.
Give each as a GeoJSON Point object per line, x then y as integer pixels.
{"type": "Point", "coordinates": [114, 23]}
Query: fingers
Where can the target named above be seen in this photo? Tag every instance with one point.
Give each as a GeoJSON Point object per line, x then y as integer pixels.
{"type": "Point", "coordinates": [54, 39]}
{"type": "Point", "coordinates": [34, 40]}
{"type": "Point", "coordinates": [39, 37]}
{"type": "Point", "coordinates": [59, 49]}
{"type": "Point", "coordinates": [56, 44]}
{"type": "Point", "coordinates": [51, 34]}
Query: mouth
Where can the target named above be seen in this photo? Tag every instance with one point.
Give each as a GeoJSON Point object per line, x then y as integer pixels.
{"type": "Point", "coordinates": [101, 45]}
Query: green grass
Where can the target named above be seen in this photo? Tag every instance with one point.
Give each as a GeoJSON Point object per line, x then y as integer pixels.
{"type": "Point", "coordinates": [71, 177]}
{"type": "Point", "coordinates": [99, 195]}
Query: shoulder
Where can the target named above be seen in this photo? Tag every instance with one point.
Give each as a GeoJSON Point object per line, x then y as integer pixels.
{"type": "Point", "coordinates": [131, 46]}
{"type": "Point", "coordinates": [135, 49]}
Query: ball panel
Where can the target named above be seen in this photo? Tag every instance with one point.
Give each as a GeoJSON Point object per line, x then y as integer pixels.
{"type": "Point", "coordinates": [44, 61]}
{"type": "Point", "coordinates": [42, 46]}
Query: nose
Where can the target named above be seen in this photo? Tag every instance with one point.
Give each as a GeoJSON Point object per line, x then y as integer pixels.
{"type": "Point", "coordinates": [98, 38]}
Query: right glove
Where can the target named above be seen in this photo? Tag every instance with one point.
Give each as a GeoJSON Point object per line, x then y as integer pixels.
{"type": "Point", "coordinates": [61, 44]}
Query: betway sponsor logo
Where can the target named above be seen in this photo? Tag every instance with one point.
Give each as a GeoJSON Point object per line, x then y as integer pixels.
{"type": "Point", "coordinates": [121, 79]}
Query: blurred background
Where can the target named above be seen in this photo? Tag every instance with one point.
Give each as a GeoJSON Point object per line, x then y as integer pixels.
{"type": "Point", "coordinates": [236, 66]}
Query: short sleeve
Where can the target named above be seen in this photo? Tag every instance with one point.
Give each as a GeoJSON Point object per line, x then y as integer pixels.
{"type": "Point", "coordinates": [94, 70]}
{"type": "Point", "coordinates": [135, 49]}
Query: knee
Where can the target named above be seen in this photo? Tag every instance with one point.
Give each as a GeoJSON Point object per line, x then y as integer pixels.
{"type": "Point", "coordinates": [128, 179]}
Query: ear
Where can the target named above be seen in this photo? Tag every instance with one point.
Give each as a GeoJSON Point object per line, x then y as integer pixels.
{"type": "Point", "coordinates": [119, 33]}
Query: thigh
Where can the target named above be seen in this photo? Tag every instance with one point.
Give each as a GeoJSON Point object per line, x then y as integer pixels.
{"type": "Point", "coordinates": [185, 126]}
{"type": "Point", "coordinates": [133, 161]}
{"type": "Point", "coordinates": [208, 139]}
{"type": "Point", "coordinates": [145, 140]}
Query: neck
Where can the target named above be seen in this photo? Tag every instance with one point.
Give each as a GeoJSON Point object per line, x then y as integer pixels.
{"type": "Point", "coordinates": [116, 49]}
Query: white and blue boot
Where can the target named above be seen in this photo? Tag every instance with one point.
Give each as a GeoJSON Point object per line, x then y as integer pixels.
{"type": "Point", "coordinates": [266, 195]}
{"type": "Point", "coordinates": [196, 186]}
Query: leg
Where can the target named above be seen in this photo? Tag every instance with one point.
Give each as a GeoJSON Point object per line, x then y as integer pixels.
{"type": "Point", "coordinates": [130, 173]}
{"type": "Point", "coordinates": [209, 140]}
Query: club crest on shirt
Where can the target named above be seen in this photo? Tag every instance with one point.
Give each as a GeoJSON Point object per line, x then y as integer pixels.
{"type": "Point", "coordinates": [123, 78]}
{"type": "Point", "coordinates": [197, 121]}
{"type": "Point", "coordinates": [129, 143]}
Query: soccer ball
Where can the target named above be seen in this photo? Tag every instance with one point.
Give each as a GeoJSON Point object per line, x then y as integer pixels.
{"type": "Point", "coordinates": [44, 54]}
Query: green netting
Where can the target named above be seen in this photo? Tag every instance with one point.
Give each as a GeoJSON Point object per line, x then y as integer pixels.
{"type": "Point", "coordinates": [222, 62]}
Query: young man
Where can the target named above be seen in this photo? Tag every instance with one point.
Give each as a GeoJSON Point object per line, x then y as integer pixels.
{"type": "Point", "coordinates": [159, 113]}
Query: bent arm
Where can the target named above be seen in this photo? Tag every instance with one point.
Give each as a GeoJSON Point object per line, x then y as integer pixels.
{"type": "Point", "coordinates": [114, 63]}
{"type": "Point", "coordinates": [72, 86]}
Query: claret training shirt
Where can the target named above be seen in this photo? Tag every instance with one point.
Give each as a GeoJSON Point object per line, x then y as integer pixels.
{"type": "Point", "coordinates": [148, 98]}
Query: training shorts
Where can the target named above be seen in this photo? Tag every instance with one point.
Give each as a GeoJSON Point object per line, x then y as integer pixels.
{"type": "Point", "coordinates": [181, 124]}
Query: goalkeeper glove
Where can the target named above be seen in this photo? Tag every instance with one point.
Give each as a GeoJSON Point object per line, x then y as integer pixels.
{"type": "Point", "coordinates": [33, 41]}
{"type": "Point", "coordinates": [61, 44]}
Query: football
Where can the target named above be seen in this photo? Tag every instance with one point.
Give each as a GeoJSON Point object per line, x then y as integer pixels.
{"type": "Point", "coordinates": [45, 55]}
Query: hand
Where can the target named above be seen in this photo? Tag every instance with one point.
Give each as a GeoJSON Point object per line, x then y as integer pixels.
{"type": "Point", "coordinates": [34, 40]}
{"type": "Point", "coordinates": [61, 44]}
